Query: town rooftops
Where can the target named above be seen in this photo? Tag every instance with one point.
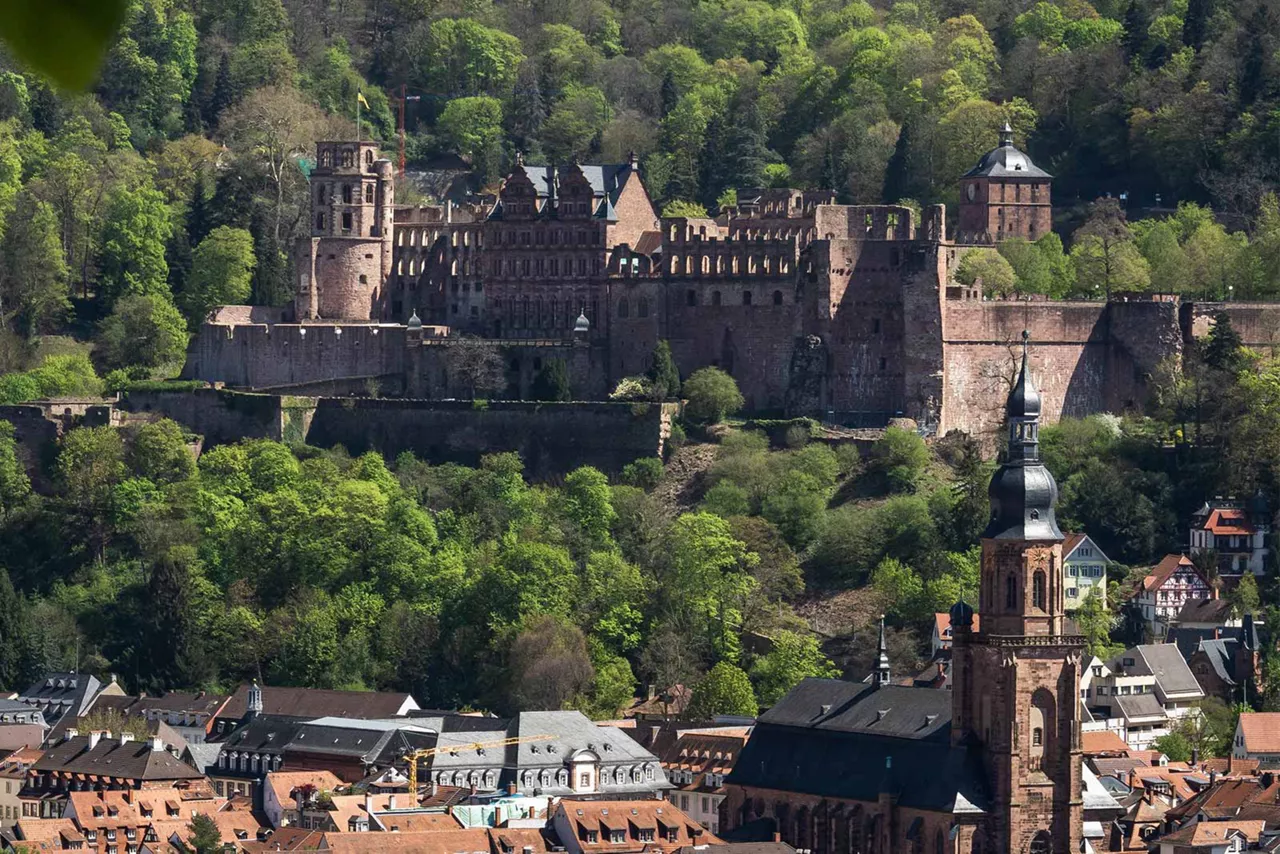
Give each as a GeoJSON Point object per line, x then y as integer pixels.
{"type": "Point", "coordinates": [942, 624]}
{"type": "Point", "coordinates": [365, 740]}
{"type": "Point", "coordinates": [58, 694]}
{"type": "Point", "coordinates": [605, 179]}
{"type": "Point", "coordinates": [669, 827]}
{"type": "Point", "coordinates": [283, 783]}
{"type": "Point", "coordinates": [317, 703]}
{"type": "Point", "coordinates": [1215, 611]}
{"type": "Point", "coordinates": [93, 756]}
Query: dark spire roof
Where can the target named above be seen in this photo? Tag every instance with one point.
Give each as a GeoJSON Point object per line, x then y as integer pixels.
{"type": "Point", "coordinates": [883, 675]}
{"type": "Point", "coordinates": [1022, 491]}
{"type": "Point", "coordinates": [1006, 161]}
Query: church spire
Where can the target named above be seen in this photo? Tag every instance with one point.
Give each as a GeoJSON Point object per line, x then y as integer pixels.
{"type": "Point", "coordinates": [883, 675]}
{"type": "Point", "coordinates": [1023, 492]}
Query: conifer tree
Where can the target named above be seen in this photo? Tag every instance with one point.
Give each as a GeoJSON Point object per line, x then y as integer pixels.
{"type": "Point", "coordinates": [745, 151]}
{"type": "Point", "coordinates": [663, 372]}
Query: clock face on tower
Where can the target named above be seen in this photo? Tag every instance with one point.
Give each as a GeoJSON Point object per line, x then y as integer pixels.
{"type": "Point", "coordinates": [971, 191]}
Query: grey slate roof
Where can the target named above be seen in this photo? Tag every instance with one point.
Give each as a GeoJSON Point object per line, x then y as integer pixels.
{"type": "Point", "coordinates": [57, 694]}
{"type": "Point", "coordinates": [368, 741]}
{"type": "Point", "coordinates": [133, 760]}
{"type": "Point", "coordinates": [1188, 640]}
{"type": "Point", "coordinates": [1138, 706]}
{"type": "Point", "coordinates": [851, 740]}
{"type": "Point", "coordinates": [606, 180]}
{"type": "Point", "coordinates": [1006, 161]}
{"type": "Point", "coordinates": [1170, 668]}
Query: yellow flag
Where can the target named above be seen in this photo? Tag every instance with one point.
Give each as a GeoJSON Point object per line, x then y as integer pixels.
{"type": "Point", "coordinates": [361, 100]}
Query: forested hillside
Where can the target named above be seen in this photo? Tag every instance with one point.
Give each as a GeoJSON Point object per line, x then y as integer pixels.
{"type": "Point", "coordinates": [178, 181]}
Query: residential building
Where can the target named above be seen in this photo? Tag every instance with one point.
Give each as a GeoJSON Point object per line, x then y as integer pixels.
{"type": "Point", "coordinates": [660, 705]}
{"type": "Point", "coordinates": [697, 763]}
{"type": "Point", "coordinates": [1213, 837]}
{"type": "Point", "coordinates": [941, 638]}
{"type": "Point", "coordinates": [278, 801]}
{"type": "Point", "coordinates": [992, 766]}
{"type": "Point", "coordinates": [1258, 737]}
{"type": "Point", "coordinates": [1199, 614]}
{"type": "Point", "coordinates": [58, 694]}
{"type": "Point", "coordinates": [21, 725]}
{"type": "Point", "coordinates": [307, 703]}
{"type": "Point", "coordinates": [365, 813]}
{"type": "Point", "coordinates": [1084, 570]}
{"type": "Point", "coordinates": [1140, 692]}
{"type": "Point", "coordinates": [13, 774]}
{"type": "Point", "coordinates": [627, 827]}
{"type": "Point", "coordinates": [1229, 666]}
{"type": "Point", "coordinates": [96, 762]}
{"type": "Point", "coordinates": [1235, 532]}
{"type": "Point", "coordinates": [1169, 586]}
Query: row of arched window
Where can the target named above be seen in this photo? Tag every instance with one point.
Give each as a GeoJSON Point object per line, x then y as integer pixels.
{"type": "Point", "coordinates": [347, 158]}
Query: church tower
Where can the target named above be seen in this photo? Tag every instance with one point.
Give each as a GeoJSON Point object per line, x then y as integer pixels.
{"type": "Point", "coordinates": [1016, 682]}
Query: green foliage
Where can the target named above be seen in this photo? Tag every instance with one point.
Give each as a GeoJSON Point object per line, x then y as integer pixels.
{"type": "Point", "coordinates": [1244, 598]}
{"type": "Point", "coordinates": [900, 458]}
{"type": "Point", "coordinates": [725, 690]}
{"type": "Point", "coordinates": [552, 382]}
{"type": "Point", "coordinates": [1096, 624]}
{"type": "Point", "coordinates": [221, 273]}
{"type": "Point", "coordinates": [989, 270]}
{"type": "Point", "coordinates": [793, 658]}
{"type": "Point", "coordinates": [65, 43]}
{"type": "Point", "coordinates": [644, 473]}
{"type": "Point", "coordinates": [1175, 746]}
{"type": "Point", "coordinates": [15, 486]}
{"type": "Point", "coordinates": [680, 207]}
{"type": "Point", "coordinates": [57, 376]}
{"type": "Point", "coordinates": [712, 395]}
{"type": "Point", "coordinates": [144, 330]}
{"type": "Point", "coordinates": [135, 227]}
{"type": "Point", "coordinates": [663, 373]}
{"type": "Point", "coordinates": [473, 128]}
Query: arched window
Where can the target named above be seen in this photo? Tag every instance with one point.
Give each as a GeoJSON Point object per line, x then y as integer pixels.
{"type": "Point", "coordinates": [368, 193]}
{"type": "Point", "coordinates": [326, 158]}
{"type": "Point", "coordinates": [319, 222]}
{"type": "Point", "coordinates": [347, 157]}
{"type": "Point", "coordinates": [346, 194]}
{"type": "Point", "coordinates": [691, 297]}
{"type": "Point", "coordinates": [777, 297]}
{"type": "Point", "coordinates": [1042, 843]}
{"type": "Point", "coordinates": [1037, 591]}
{"type": "Point", "coordinates": [643, 307]}
{"type": "Point", "coordinates": [715, 297]}
{"type": "Point", "coordinates": [1011, 591]}
{"type": "Point", "coordinates": [368, 157]}
{"type": "Point", "coordinates": [939, 843]}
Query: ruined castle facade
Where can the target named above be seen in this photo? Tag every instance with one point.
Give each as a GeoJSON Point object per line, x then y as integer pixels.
{"type": "Point", "coordinates": [844, 312]}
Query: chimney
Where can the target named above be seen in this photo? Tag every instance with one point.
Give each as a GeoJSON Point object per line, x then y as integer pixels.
{"type": "Point", "coordinates": [511, 789]}
{"type": "Point", "coordinates": [1213, 776]}
{"type": "Point", "coordinates": [1195, 756]}
{"type": "Point", "coordinates": [391, 801]}
{"type": "Point", "coordinates": [651, 691]}
{"type": "Point", "coordinates": [95, 737]}
{"type": "Point", "coordinates": [125, 738]}
{"type": "Point", "coordinates": [70, 733]}
{"type": "Point", "coordinates": [368, 802]}
{"type": "Point", "coordinates": [448, 211]}
{"type": "Point", "coordinates": [157, 744]}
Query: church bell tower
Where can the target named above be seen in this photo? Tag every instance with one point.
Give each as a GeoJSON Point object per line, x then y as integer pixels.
{"type": "Point", "coordinates": [1016, 682]}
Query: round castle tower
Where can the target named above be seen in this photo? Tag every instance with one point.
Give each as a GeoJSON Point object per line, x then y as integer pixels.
{"type": "Point", "coordinates": [346, 261]}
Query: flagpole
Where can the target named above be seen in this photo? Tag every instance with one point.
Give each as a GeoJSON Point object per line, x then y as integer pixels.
{"type": "Point", "coordinates": [358, 96]}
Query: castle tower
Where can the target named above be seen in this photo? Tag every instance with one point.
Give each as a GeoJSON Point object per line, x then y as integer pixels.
{"type": "Point", "coordinates": [1005, 195]}
{"type": "Point", "coordinates": [344, 265]}
{"type": "Point", "coordinates": [1016, 682]}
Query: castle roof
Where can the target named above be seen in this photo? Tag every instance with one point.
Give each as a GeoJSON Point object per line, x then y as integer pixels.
{"type": "Point", "coordinates": [1006, 161]}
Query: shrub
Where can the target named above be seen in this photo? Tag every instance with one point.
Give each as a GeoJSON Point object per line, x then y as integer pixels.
{"type": "Point", "coordinates": [712, 395]}
{"type": "Point", "coordinates": [644, 473]}
{"type": "Point", "coordinates": [900, 457]}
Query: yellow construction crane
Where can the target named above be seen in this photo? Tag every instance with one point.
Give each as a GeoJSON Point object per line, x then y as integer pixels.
{"type": "Point", "coordinates": [414, 757]}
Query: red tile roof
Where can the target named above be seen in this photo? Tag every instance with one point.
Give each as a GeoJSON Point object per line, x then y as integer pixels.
{"type": "Point", "coordinates": [1164, 570]}
{"type": "Point", "coordinates": [942, 622]}
{"type": "Point", "coordinates": [1228, 522]}
{"type": "Point", "coordinates": [1261, 731]}
{"type": "Point", "coordinates": [1106, 741]}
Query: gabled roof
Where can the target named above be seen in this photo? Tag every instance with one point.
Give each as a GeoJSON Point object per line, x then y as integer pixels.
{"type": "Point", "coordinates": [942, 623]}
{"type": "Point", "coordinates": [1216, 611]}
{"type": "Point", "coordinates": [317, 703]}
{"type": "Point", "coordinates": [1103, 741]}
{"type": "Point", "coordinates": [1221, 656]}
{"type": "Point", "coordinates": [606, 180]}
{"type": "Point", "coordinates": [1261, 731]}
{"type": "Point", "coordinates": [133, 760]}
{"type": "Point", "coordinates": [832, 704]}
{"type": "Point", "coordinates": [1206, 833]}
{"type": "Point", "coordinates": [1165, 569]}
{"type": "Point", "coordinates": [282, 783]}
{"type": "Point", "coordinates": [1170, 669]}
{"type": "Point", "coordinates": [1229, 521]}
{"type": "Point", "coordinates": [1136, 707]}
